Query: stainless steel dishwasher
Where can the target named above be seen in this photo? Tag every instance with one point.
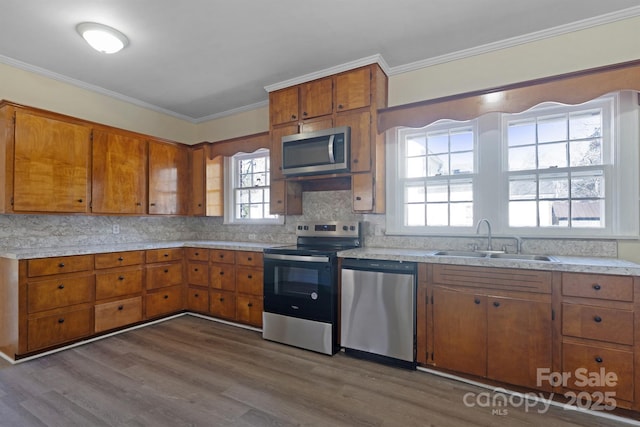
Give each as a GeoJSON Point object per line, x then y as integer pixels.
{"type": "Point", "coordinates": [377, 310]}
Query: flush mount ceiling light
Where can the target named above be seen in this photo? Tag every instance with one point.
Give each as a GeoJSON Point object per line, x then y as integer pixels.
{"type": "Point", "coordinates": [102, 38]}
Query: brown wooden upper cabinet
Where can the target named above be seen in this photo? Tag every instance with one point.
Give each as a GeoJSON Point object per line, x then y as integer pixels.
{"type": "Point", "coordinates": [284, 106]}
{"type": "Point", "coordinates": [51, 164]}
{"type": "Point", "coordinates": [197, 168]}
{"type": "Point", "coordinates": [168, 178]}
{"type": "Point", "coordinates": [119, 178]}
{"type": "Point", "coordinates": [353, 89]}
{"type": "Point", "coordinates": [298, 103]}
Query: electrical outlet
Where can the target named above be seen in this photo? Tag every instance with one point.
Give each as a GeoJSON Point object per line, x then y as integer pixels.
{"type": "Point", "coordinates": [116, 228]}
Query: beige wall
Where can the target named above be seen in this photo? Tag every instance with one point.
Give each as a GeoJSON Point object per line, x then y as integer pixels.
{"type": "Point", "coordinates": [246, 123]}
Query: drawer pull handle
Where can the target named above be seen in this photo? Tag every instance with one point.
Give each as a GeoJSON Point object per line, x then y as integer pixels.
{"type": "Point", "coordinates": [221, 299]}
{"type": "Point", "coordinates": [496, 304]}
{"type": "Point", "coordinates": [197, 253]}
{"type": "Point", "coordinates": [120, 277]}
{"type": "Point", "coordinates": [166, 297]}
{"type": "Point", "coordinates": [249, 276]}
{"type": "Point", "coordinates": [597, 287]}
{"type": "Point", "coordinates": [61, 286]}
{"type": "Point", "coordinates": [222, 273]}
{"type": "Point", "coordinates": [597, 319]}
{"type": "Point", "coordinates": [358, 198]}
{"type": "Point", "coordinates": [120, 259]}
{"type": "Point", "coordinates": [249, 259]}
{"type": "Point", "coordinates": [61, 265]}
{"type": "Point", "coordinates": [166, 270]}
{"type": "Point", "coordinates": [196, 295]}
{"type": "Point", "coordinates": [598, 359]}
{"type": "Point", "coordinates": [166, 255]}
{"type": "Point", "coordinates": [79, 200]}
{"type": "Point", "coordinates": [477, 300]}
{"type": "Point", "coordinates": [221, 256]}
{"type": "Point", "coordinates": [195, 269]}
{"type": "Point", "coordinates": [121, 307]}
{"type": "Point", "coordinates": [250, 305]}
{"type": "Point", "coordinates": [61, 320]}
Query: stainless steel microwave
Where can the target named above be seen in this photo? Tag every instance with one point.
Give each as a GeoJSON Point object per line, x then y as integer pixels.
{"type": "Point", "coordinates": [320, 152]}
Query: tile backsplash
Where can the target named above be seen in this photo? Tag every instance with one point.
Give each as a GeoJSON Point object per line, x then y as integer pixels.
{"type": "Point", "coordinates": [41, 231]}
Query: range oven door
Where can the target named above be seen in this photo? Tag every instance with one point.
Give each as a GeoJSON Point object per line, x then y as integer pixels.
{"type": "Point", "coordinates": [302, 286]}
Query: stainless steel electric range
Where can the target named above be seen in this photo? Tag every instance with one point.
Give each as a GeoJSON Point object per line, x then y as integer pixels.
{"type": "Point", "coordinates": [301, 286]}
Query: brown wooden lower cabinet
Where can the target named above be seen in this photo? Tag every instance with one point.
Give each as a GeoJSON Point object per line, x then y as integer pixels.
{"type": "Point", "coordinates": [223, 304]}
{"type": "Point", "coordinates": [198, 299]}
{"type": "Point", "coordinates": [164, 301]}
{"type": "Point", "coordinates": [249, 309]}
{"type": "Point", "coordinates": [61, 327]}
{"type": "Point", "coordinates": [116, 314]}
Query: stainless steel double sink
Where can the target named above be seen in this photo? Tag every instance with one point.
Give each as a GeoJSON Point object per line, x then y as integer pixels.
{"type": "Point", "coordinates": [496, 255]}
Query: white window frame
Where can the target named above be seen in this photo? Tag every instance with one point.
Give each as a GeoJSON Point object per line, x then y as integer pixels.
{"type": "Point", "coordinates": [231, 185]}
{"type": "Point", "coordinates": [490, 182]}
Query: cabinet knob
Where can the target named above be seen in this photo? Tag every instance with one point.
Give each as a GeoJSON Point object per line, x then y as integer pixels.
{"type": "Point", "coordinates": [598, 359]}
{"type": "Point", "coordinates": [152, 204]}
{"type": "Point", "coordinates": [340, 106]}
{"type": "Point", "coordinates": [120, 278]}
{"type": "Point", "coordinates": [279, 202]}
{"type": "Point", "coordinates": [197, 253]}
{"type": "Point", "coordinates": [293, 117]}
{"type": "Point", "coordinates": [61, 320]}
{"type": "Point", "coordinates": [355, 160]}
{"type": "Point", "coordinates": [249, 276]}
{"type": "Point", "coordinates": [221, 299]}
{"type": "Point", "coordinates": [80, 200]}
{"type": "Point", "coordinates": [61, 286]}
{"type": "Point", "coordinates": [120, 307]}
{"type": "Point", "coordinates": [222, 273]}
{"type": "Point", "coordinates": [196, 295]}
{"type": "Point", "coordinates": [358, 198]}
{"type": "Point", "coordinates": [166, 270]}
{"type": "Point", "coordinates": [250, 305]}
{"type": "Point", "coordinates": [166, 297]}
{"type": "Point", "coordinates": [477, 300]}
{"type": "Point", "coordinates": [166, 255]}
{"type": "Point", "coordinates": [199, 205]}
{"type": "Point", "coordinates": [597, 287]}
{"type": "Point", "coordinates": [249, 259]}
{"type": "Point", "coordinates": [221, 256]}
{"type": "Point", "coordinates": [597, 319]}
{"type": "Point", "coordinates": [120, 259]}
{"type": "Point", "coordinates": [195, 269]}
{"type": "Point", "coordinates": [138, 204]}
{"type": "Point", "coordinates": [496, 304]}
{"type": "Point", "coordinates": [61, 265]}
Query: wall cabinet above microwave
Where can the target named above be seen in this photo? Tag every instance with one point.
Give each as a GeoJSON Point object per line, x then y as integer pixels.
{"type": "Point", "coordinates": [349, 99]}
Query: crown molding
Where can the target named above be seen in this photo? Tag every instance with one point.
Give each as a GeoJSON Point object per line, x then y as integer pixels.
{"type": "Point", "coordinates": [373, 59]}
{"type": "Point", "coordinates": [515, 41]}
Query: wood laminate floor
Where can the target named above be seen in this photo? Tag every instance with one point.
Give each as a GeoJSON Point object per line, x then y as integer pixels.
{"type": "Point", "coordinates": [190, 371]}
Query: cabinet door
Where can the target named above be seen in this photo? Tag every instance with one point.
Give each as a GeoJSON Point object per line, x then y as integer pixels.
{"type": "Point", "coordinates": [460, 331]}
{"type": "Point", "coordinates": [249, 310]}
{"type": "Point", "coordinates": [165, 301]}
{"type": "Point", "coordinates": [316, 124]}
{"type": "Point", "coordinates": [168, 179]}
{"type": "Point", "coordinates": [353, 89]}
{"type": "Point", "coordinates": [518, 339]}
{"type": "Point", "coordinates": [283, 105]}
{"type": "Point", "coordinates": [223, 276]}
{"type": "Point", "coordinates": [275, 154]}
{"type": "Point", "coordinates": [223, 304]}
{"type": "Point", "coordinates": [51, 165]}
{"type": "Point", "coordinates": [119, 179]}
{"type": "Point", "coordinates": [362, 191]}
{"type": "Point", "coordinates": [316, 98]}
{"type": "Point", "coordinates": [198, 299]}
{"type": "Point", "coordinates": [215, 186]}
{"type": "Point", "coordinates": [360, 124]}
{"type": "Point", "coordinates": [197, 205]}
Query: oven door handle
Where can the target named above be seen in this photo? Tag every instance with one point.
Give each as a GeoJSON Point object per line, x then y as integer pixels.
{"type": "Point", "coordinates": [301, 258]}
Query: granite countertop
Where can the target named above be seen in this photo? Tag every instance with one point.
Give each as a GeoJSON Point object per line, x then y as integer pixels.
{"type": "Point", "coordinates": [558, 263]}
{"type": "Point", "coordinates": [30, 253]}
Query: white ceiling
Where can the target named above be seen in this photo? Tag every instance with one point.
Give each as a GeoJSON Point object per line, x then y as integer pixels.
{"type": "Point", "coordinates": [202, 59]}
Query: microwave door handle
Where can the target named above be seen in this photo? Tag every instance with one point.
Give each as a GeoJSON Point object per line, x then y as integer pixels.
{"type": "Point", "coordinates": [332, 158]}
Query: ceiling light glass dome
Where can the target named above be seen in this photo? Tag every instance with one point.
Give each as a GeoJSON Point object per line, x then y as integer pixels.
{"type": "Point", "coordinates": [102, 38]}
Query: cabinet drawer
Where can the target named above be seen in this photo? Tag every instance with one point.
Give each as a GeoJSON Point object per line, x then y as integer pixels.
{"type": "Point", "coordinates": [197, 254]}
{"type": "Point", "coordinates": [198, 273]}
{"type": "Point", "coordinates": [59, 328]}
{"type": "Point", "coordinates": [593, 359]}
{"type": "Point", "coordinates": [164, 301]}
{"type": "Point", "coordinates": [59, 265]}
{"type": "Point", "coordinates": [119, 259]}
{"type": "Point", "coordinates": [598, 323]}
{"type": "Point", "coordinates": [118, 283]}
{"type": "Point", "coordinates": [163, 275]}
{"type": "Point", "coordinates": [222, 304]}
{"type": "Point", "coordinates": [224, 256]}
{"type": "Point", "coordinates": [164, 255]}
{"type": "Point", "coordinates": [253, 259]}
{"type": "Point", "coordinates": [619, 288]}
{"type": "Point", "coordinates": [198, 299]}
{"type": "Point", "coordinates": [223, 276]}
{"type": "Point", "coordinates": [249, 310]}
{"type": "Point", "coordinates": [58, 293]}
{"type": "Point", "coordinates": [116, 314]}
{"type": "Point", "coordinates": [249, 281]}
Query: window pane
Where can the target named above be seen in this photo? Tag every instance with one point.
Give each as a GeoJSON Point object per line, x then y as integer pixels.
{"type": "Point", "coordinates": [437, 214]}
{"type": "Point", "coordinates": [415, 215]}
{"type": "Point", "coordinates": [242, 211]}
{"type": "Point", "coordinates": [260, 164]}
{"type": "Point", "coordinates": [416, 167]}
{"type": "Point", "coordinates": [553, 213]}
{"type": "Point", "coordinates": [242, 196]}
{"type": "Point", "coordinates": [415, 193]}
{"type": "Point", "coordinates": [438, 165]}
{"type": "Point", "coordinates": [587, 186]}
{"type": "Point", "coordinates": [554, 186]}
{"type": "Point", "coordinates": [587, 124]}
{"type": "Point", "coordinates": [587, 213]}
{"type": "Point", "coordinates": [416, 146]}
{"type": "Point", "coordinates": [461, 191]}
{"type": "Point", "coordinates": [586, 152]}
{"type": "Point", "coordinates": [522, 133]}
{"type": "Point", "coordinates": [522, 214]}
{"type": "Point", "coordinates": [552, 129]}
{"type": "Point", "coordinates": [462, 141]}
{"type": "Point", "coordinates": [438, 192]}
{"type": "Point", "coordinates": [461, 214]}
{"type": "Point", "coordinates": [552, 156]}
{"type": "Point", "coordinates": [256, 196]}
{"type": "Point", "coordinates": [438, 143]}
{"type": "Point", "coordinates": [523, 188]}
{"type": "Point", "coordinates": [522, 158]}
{"type": "Point", "coordinates": [259, 179]}
{"type": "Point", "coordinates": [462, 163]}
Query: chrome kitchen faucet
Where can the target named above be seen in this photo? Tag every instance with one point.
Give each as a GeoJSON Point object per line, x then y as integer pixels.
{"type": "Point", "coordinates": [489, 245]}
